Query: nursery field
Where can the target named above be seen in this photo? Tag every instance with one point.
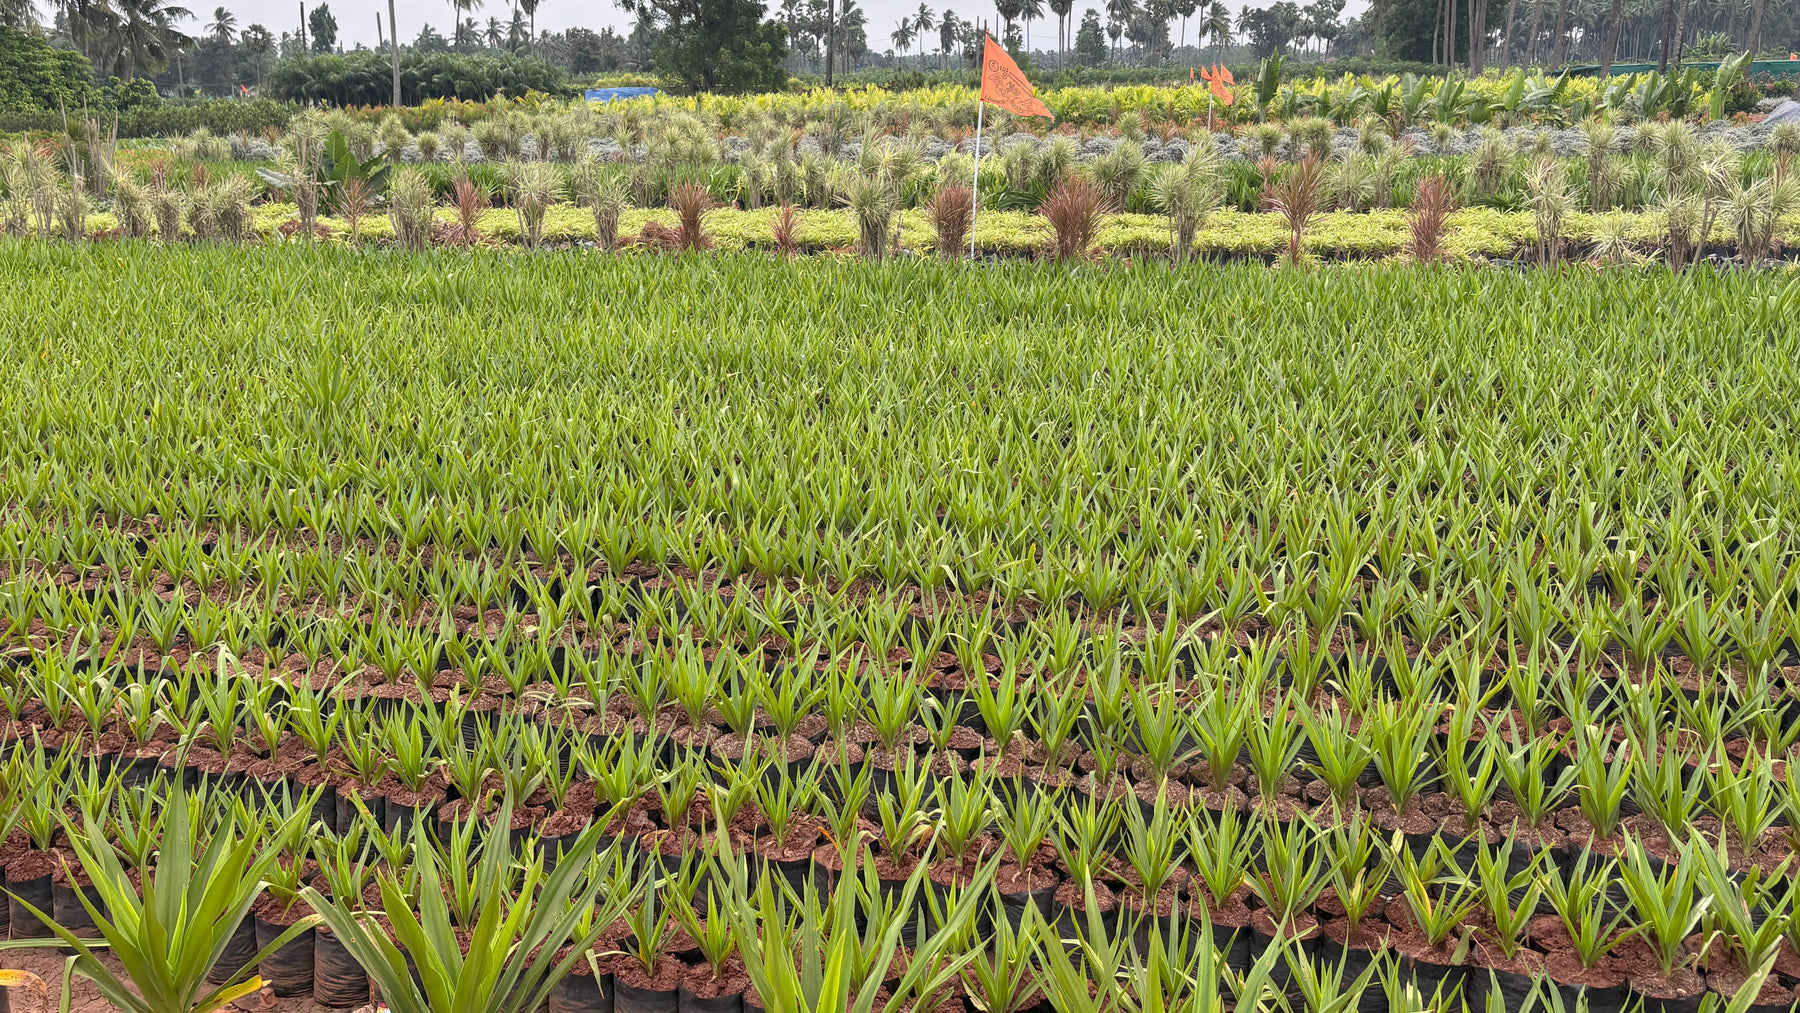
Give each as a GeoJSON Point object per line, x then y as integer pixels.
{"type": "Point", "coordinates": [487, 632]}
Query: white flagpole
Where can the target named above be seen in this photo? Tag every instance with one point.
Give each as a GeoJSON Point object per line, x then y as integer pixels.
{"type": "Point", "coordinates": [975, 184]}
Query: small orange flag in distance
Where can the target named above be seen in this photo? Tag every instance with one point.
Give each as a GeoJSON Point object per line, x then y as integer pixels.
{"type": "Point", "coordinates": [1004, 84]}
{"type": "Point", "coordinates": [1218, 81]}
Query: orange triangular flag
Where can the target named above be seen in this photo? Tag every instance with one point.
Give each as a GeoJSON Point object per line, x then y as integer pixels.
{"type": "Point", "coordinates": [1004, 84]}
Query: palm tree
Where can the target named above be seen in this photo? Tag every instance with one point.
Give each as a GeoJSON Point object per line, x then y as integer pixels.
{"type": "Point", "coordinates": [258, 42]}
{"type": "Point", "coordinates": [89, 22]}
{"type": "Point", "coordinates": [902, 35]}
{"type": "Point", "coordinates": [1009, 11]}
{"type": "Point", "coordinates": [224, 25]}
{"type": "Point", "coordinates": [1062, 9]}
{"type": "Point", "coordinates": [924, 20]}
{"type": "Point", "coordinates": [457, 9]}
{"type": "Point", "coordinates": [1118, 14]}
{"type": "Point", "coordinates": [948, 26]}
{"type": "Point", "coordinates": [530, 8]}
{"type": "Point", "coordinates": [143, 35]}
{"type": "Point", "coordinates": [496, 32]}
{"type": "Point", "coordinates": [18, 14]}
{"type": "Point", "coordinates": [1029, 11]}
{"type": "Point", "coordinates": [1217, 24]}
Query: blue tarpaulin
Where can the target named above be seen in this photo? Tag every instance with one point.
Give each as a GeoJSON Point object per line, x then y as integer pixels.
{"type": "Point", "coordinates": [608, 94]}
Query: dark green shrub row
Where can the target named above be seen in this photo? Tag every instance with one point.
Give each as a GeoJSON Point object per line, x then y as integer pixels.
{"type": "Point", "coordinates": [366, 78]}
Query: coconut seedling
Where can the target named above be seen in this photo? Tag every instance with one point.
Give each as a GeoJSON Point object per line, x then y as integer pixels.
{"type": "Point", "coordinates": [1665, 902]}
{"type": "Point", "coordinates": [499, 969]}
{"type": "Point", "coordinates": [1001, 974]}
{"type": "Point", "coordinates": [1578, 895]}
{"type": "Point", "coordinates": [1153, 847]}
{"type": "Point", "coordinates": [1745, 795]}
{"type": "Point", "coordinates": [1436, 892]}
{"type": "Point", "coordinates": [1601, 783]}
{"type": "Point", "coordinates": [1293, 873]}
{"type": "Point", "coordinates": [169, 932]}
{"type": "Point", "coordinates": [1273, 744]}
{"type": "Point", "coordinates": [1340, 754]}
{"type": "Point", "coordinates": [1524, 770]}
{"type": "Point", "coordinates": [1507, 896]}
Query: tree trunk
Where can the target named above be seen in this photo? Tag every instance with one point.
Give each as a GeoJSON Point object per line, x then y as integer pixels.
{"type": "Point", "coordinates": [830, 37]}
{"type": "Point", "coordinates": [394, 31]}
{"type": "Point", "coordinates": [1612, 39]}
{"type": "Point", "coordinates": [1506, 49]}
{"type": "Point", "coordinates": [1562, 33]}
{"type": "Point", "coordinates": [1668, 37]}
{"type": "Point", "coordinates": [1531, 34]}
{"type": "Point", "coordinates": [1477, 36]}
{"type": "Point", "coordinates": [1756, 18]}
{"type": "Point", "coordinates": [1681, 10]}
{"type": "Point", "coordinates": [1437, 36]}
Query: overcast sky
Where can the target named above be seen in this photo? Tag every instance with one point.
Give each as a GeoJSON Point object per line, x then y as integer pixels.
{"type": "Point", "coordinates": [356, 18]}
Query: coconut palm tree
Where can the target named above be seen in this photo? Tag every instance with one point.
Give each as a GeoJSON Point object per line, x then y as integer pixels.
{"type": "Point", "coordinates": [948, 27]}
{"type": "Point", "coordinates": [458, 8]}
{"type": "Point", "coordinates": [1062, 9]}
{"type": "Point", "coordinates": [496, 33]}
{"type": "Point", "coordinates": [924, 20]}
{"type": "Point", "coordinates": [258, 42]}
{"type": "Point", "coordinates": [530, 8]}
{"type": "Point", "coordinates": [224, 25]}
{"type": "Point", "coordinates": [144, 36]}
{"type": "Point", "coordinates": [1216, 25]}
{"type": "Point", "coordinates": [902, 36]}
{"type": "Point", "coordinates": [1118, 14]}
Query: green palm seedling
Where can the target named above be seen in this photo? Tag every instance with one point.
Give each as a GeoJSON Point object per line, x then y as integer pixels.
{"type": "Point", "coordinates": [1160, 722]}
{"type": "Point", "coordinates": [1222, 847]}
{"type": "Point", "coordinates": [1153, 849]}
{"type": "Point", "coordinates": [1601, 784]}
{"type": "Point", "coordinates": [1293, 873]}
{"type": "Point", "coordinates": [500, 969]}
{"type": "Point", "coordinates": [1341, 755]}
{"type": "Point", "coordinates": [168, 935]}
{"type": "Point", "coordinates": [1665, 902]}
{"type": "Point", "coordinates": [1524, 770]}
{"type": "Point", "coordinates": [1325, 987]}
{"type": "Point", "coordinates": [1401, 736]}
{"type": "Point", "coordinates": [1509, 898]}
{"type": "Point", "coordinates": [1746, 798]}
{"type": "Point", "coordinates": [1358, 866]}
{"type": "Point", "coordinates": [965, 810]}
{"type": "Point", "coordinates": [1746, 916]}
{"type": "Point", "coordinates": [1274, 745]}
{"type": "Point", "coordinates": [1661, 785]}
{"type": "Point", "coordinates": [829, 966]}
{"type": "Point", "coordinates": [1578, 896]}
{"type": "Point", "coordinates": [1222, 724]}
{"type": "Point", "coordinates": [1434, 889]}
{"type": "Point", "coordinates": [1001, 974]}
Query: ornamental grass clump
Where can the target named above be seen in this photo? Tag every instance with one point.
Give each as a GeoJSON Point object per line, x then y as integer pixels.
{"type": "Point", "coordinates": [606, 196]}
{"type": "Point", "coordinates": [873, 203]}
{"type": "Point", "coordinates": [1551, 201]}
{"type": "Point", "coordinates": [691, 202]}
{"type": "Point", "coordinates": [411, 205]}
{"type": "Point", "coordinates": [1188, 192]}
{"type": "Point", "coordinates": [950, 210]}
{"type": "Point", "coordinates": [535, 186]}
{"type": "Point", "coordinates": [1074, 210]}
{"type": "Point", "coordinates": [1429, 218]}
{"type": "Point", "coordinates": [469, 199]}
{"type": "Point", "coordinates": [1298, 196]}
